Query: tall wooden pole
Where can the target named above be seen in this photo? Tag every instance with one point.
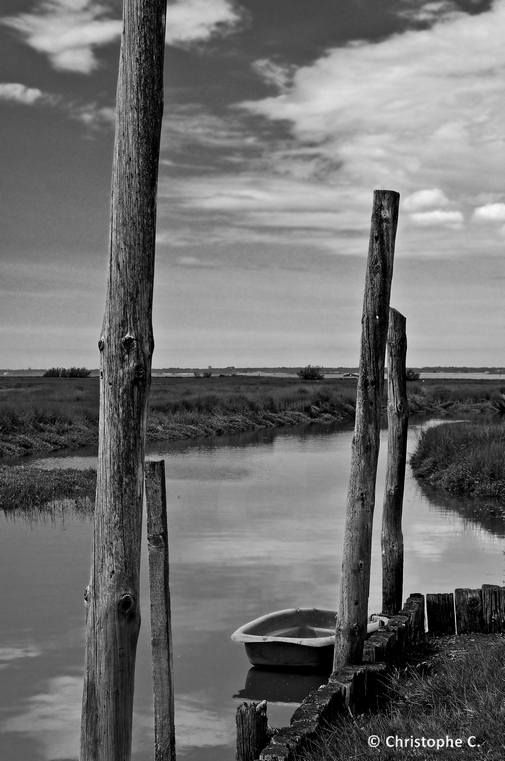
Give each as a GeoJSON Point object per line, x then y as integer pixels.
{"type": "Point", "coordinates": [398, 423]}
{"type": "Point", "coordinates": [126, 345]}
{"type": "Point", "coordinates": [355, 583]}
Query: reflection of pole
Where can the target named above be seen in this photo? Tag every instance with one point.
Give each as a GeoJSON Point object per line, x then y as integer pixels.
{"type": "Point", "coordinates": [161, 627]}
{"type": "Point", "coordinates": [126, 345]}
{"type": "Point", "coordinates": [398, 421]}
{"type": "Point", "coordinates": [355, 583]}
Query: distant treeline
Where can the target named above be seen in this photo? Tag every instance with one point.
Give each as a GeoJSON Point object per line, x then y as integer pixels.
{"type": "Point", "coordinates": [67, 372]}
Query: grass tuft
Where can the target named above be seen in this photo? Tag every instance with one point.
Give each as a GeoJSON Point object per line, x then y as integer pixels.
{"type": "Point", "coordinates": [463, 458]}
{"type": "Point", "coordinates": [457, 693]}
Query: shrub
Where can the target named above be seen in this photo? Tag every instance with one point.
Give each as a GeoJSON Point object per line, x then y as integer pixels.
{"type": "Point", "coordinates": [412, 375]}
{"type": "Point", "coordinates": [310, 373]}
{"type": "Point", "coordinates": [63, 372]}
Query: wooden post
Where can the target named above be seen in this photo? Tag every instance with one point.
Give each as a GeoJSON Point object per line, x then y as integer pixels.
{"type": "Point", "coordinates": [440, 612]}
{"type": "Point", "coordinates": [355, 583]}
{"type": "Point", "coordinates": [468, 603]}
{"type": "Point", "coordinates": [126, 346]}
{"type": "Point", "coordinates": [161, 627]}
{"type": "Point", "coordinates": [253, 732]}
{"type": "Point", "coordinates": [398, 422]}
{"type": "Point", "coordinates": [493, 608]}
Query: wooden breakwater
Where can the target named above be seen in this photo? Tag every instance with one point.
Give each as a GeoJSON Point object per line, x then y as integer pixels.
{"type": "Point", "coordinates": [363, 687]}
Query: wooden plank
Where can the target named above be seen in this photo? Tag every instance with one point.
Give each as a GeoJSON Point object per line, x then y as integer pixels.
{"type": "Point", "coordinates": [126, 345]}
{"type": "Point", "coordinates": [253, 732]}
{"type": "Point", "coordinates": [440, 611]}
{"type": "Point", "coordinates": [493, 608]}
{"type": "Point", "coordinates": [161, 625]}
{"type": "Point", "coordinates": [398, 421]}
{"type": "Point", "coordinates": [468, 604]}
{"type": "Point", "coordinates": [357, 549]}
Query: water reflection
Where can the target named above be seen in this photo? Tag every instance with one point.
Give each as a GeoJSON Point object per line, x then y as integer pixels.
{"type": "Point", "coordinates": [279, 686]}
{"type": "Point", "coordinates": [256, 525]}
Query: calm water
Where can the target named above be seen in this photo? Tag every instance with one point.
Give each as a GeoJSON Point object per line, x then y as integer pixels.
{"type": "Point", "coordinates": [256, 525]}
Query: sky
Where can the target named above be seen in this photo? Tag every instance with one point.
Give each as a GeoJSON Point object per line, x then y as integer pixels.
{"type": "Point", "coordinates": [281, 119]}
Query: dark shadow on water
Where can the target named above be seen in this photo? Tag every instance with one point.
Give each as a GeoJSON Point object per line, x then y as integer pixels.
{"type": "Point", "coordinates": [280, 686]}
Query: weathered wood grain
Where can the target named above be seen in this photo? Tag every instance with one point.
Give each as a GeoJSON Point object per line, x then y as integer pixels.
{"type": "Point", "coordinates": [253, 732]}
{"type": "Point", "coordinates": [468, 603]}
{"type": "Point", "coordinates": [161, 625]}
{"type": "Point", "coordinates": [440, 612]}
{"type": "Point", "coordinates": [398, 421]}
{"type": "Point", "coordinates": [355, 581]}
{"type": "Point", "coordinates": [493, 608]}
{"type": "Point", "coordinates": [126, 345]}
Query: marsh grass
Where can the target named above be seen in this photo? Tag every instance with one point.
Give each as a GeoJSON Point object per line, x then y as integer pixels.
{"type": "Point", "coordinates": [463, 458]}
{"type": "Point", "coordinates": [25, 487]}
{"type": "Point", "coordinates": [38, 414]}
{"type": "Point", "coordinates": [457, 692]}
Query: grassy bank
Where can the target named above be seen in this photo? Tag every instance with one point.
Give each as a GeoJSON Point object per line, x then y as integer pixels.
{"type": "Point", "coordinates": [42, 414]}
{"type": "Point", "coordinates": [456, 690]}
{"type": "Point", "coordinates": [24, 487]}
{"type": "Point", "coordinates": [463, 458]}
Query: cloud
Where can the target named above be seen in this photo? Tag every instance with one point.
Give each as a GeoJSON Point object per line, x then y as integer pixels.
{"type": "Point", "coordinates": [193, 261]}
{"type": "Point", "coordinates": [191, 21]}
{"type": "Point", "coordinates": [425, 199]}
{"type": "Point", "coordinates": [10, 654]}
{"type": "Point", "coordinates": [273, 73]}
{"type": "Point", "coordinates": [19, 93]}
{"type": "Point", "coordinates": [429, 12]}
{"type": "Point", "coordinates": [53, 718]}
{"type": "Point", "coordinates": [420, 112]}
{"type": "Point", "coordinates": [419, 109]}
{"type": "Point", "coordinates": [67, 31]}
{"type": "Point", "coordinates": [197, 726]}
{"type": "Point", "coordinates": [437, 217]}
{"type": "Point", "coordinates": [490, 212]}
{"type": "Point", "coordinates": [192, 124]}
{"type": "Point", "coordinates": [93, 115]}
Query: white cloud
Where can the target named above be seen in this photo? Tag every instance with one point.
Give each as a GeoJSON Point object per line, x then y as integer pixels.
{"type": "Point", "coordinates": [273, 73]}
{"type": "Point", "coordinates": [190, 21]}
{"type": "Point", "coordinates": [420, 109]}
{"type": "Point", "coordinates": [490, 212]}
{"type": "Point", "coordinates": [425, 199]}
{"type": "Point", "coordinates": [20, 93]}
{"type": "Point", "coordinates": [428, 12]}
{"type": "Point", "coordinates": [437, 217]}
{"type": "Point", "coordinates": [67, 31]}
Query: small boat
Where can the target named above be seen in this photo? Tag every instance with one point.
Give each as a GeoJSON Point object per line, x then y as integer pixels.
{"type": "Point", "coordinates": [292, 638]}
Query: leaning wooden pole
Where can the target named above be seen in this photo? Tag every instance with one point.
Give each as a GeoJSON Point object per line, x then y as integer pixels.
{"type": "Point", "coordinates": [161, 622]}
{"type": "Point", "coordinates": [355, 582]}
{"type": "Point", "coordinates": [126, 345]}
{"type": "Point", "coordinates": [398, 423]}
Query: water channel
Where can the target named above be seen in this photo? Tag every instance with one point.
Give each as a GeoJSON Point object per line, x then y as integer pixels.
{"type": "Point", "coordinates": [256, 525]}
